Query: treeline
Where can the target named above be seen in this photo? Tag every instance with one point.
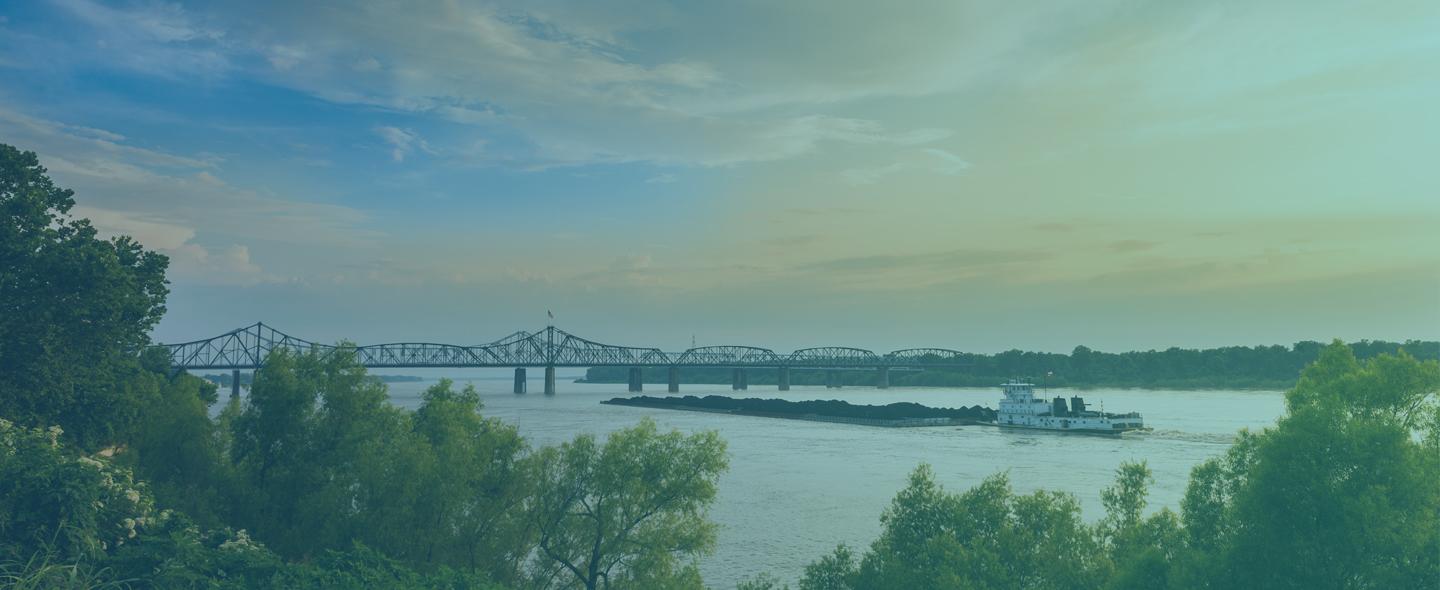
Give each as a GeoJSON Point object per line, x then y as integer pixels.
{"type": "Point", "coordinates": [1237, 367]}
{"type": "Point", "coordinates": [1342, 494]}
{"type": "Point", "coordinates": [830, 408]}
{"type": "Point", "coordinates": [114, 474]}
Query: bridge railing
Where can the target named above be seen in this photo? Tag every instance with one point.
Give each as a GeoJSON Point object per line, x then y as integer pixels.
{"type": "Point", "coordinates": [248, 347]}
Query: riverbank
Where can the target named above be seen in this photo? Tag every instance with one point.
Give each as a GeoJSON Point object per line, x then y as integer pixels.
{"type": "Point", "coordinates": [896, 415]}
{"type": "Point", "coordinates": [936, 378]}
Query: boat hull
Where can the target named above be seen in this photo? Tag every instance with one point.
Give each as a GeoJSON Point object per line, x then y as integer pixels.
{"type": "Point", "coordinates": [1113, 433]}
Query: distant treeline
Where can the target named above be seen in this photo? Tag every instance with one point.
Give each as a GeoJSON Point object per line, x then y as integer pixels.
{"type": "Point", "coordinates": [785, 408]}
{"type": "Point", "coordinates": [1242, 367]}
{"type": "Point", "coordinates": [223, 379]}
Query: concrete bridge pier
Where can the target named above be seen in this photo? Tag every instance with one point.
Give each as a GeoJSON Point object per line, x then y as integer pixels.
{"type": "Point", "coordinates": [674, 379]}
{"type": "Point", "coordinates": [550, 380]}
{"type": "Point", "coordinates": [235, 383]}
{"type": "Point", "coordinates": [783, 378]}
{"type": "Point", "coordinates": [832, 379]}
{"type": "Point", "coordinates": [739, 381]}
{"type": "Point", "coordinates": [637, 380]}
{"type": "Point", "coordinates": [520, 380]}
{"type": "Point", "coordinates": [882, 378]}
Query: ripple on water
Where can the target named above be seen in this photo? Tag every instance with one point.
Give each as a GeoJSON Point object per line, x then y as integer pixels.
{"type": "Point", "coordinates": [795, 489]}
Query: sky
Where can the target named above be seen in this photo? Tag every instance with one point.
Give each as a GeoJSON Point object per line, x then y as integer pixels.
{"type": "Point", "coordinates": [972, 175]}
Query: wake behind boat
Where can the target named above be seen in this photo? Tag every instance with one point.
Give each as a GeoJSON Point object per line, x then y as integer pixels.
{"type": "Point", "coordinates": [1021, 409]}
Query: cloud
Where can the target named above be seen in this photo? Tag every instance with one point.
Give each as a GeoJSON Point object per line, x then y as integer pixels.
{"type": "Point", "coordinates": [284, 57]}
{"type": "Point", "coordinates": [570, 83]}
{"type": "Point", "coordinates": [226, 266]}
{"type": "Point", "coordinates": [178, 203]}
{"type": "Point", "coordinates": [952, 260]}
{"type": "Point", "coordinates": [189, 261]}
{"type": "Point", "coordinates": [926, 160]}
{"type": "Point", "coordinates": [155, 38]}
{"type": "Point", "coordinates": [1123, 246]}
{"type": "Point", "coordinates": [403, 142]}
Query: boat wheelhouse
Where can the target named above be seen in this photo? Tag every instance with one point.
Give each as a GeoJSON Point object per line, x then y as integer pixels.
{"type": "Point", "coordinates": [1020, 408]}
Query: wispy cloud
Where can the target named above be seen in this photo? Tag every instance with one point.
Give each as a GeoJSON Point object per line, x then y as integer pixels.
{"type": "Point", "coordinates": [1124, 246]}
{"type": "Point", "coordinates": [403, 142]}
{"type": "Point", "coordinates": [926, 161]}
{"type": "Point", "coordinates": [177, 203]}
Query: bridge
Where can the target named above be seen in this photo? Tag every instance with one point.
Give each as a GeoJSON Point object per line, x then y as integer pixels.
{"type": "Point", "coordinates": [248, 348]}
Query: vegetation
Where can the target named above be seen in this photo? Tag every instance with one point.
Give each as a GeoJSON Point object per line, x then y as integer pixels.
{"type": "Point", "coordinates": [113, 473]}
{"type": "Point", "coordinates": [75, 310]}
{"type": "Point", "coordinates": [786, 408]}
{"type": "Point", "coordinates": [1231, 367]}
{"type": "Point", "coordinates": [1343, 493]}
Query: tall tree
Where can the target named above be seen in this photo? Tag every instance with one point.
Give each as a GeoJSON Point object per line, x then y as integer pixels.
{"type": "Point", "coordinates": [628, 512]}
{"type": "Point", "coordinates": [74, 310]}
{"type": "Point", "coordinates": [468, 511]}
{"type": "Point", "coordinates": [1343, 493]}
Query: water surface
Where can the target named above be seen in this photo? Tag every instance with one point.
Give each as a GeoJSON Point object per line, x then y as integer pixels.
{"type": "Point", "coordinates": [795, 488]}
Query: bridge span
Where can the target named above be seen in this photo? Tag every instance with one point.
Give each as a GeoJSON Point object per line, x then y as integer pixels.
{"type": "Point", "coordinates": [248, 348]}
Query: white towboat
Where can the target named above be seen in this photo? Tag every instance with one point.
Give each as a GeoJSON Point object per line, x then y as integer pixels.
{"type": "Point", "coordinates": [1021, 409]}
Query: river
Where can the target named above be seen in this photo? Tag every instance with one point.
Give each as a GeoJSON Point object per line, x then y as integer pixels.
{"type": "Point", "coordinates": [795, 489]}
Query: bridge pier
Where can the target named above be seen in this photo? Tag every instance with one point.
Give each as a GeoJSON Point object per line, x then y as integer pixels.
{"type": "Point", "coordinates": [235, 383]}
{"type": "Point", "coordinates": [739, 381]}
{"type": "Point", "coordinates": [637, 380]}
{"type": "Point", "coordinates": [832, 379]}
{"type": "Point", "coordinates": [882, 379]}
{"type": "Point", "coordinates": [674, 379]}
{"type": "Point", "coordinates": [783, 378]}
{"type": "Point", "coordinates": [550, 380]}
{"type": "Point", "coordinates": [520, 384]}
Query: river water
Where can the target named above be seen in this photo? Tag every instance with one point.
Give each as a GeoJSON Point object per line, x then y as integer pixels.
{"type": "Point", "coordinates": [795, 488]}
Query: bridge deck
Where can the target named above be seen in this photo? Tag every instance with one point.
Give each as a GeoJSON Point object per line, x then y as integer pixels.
{"type": "Point", "coordinates": [248, 347]}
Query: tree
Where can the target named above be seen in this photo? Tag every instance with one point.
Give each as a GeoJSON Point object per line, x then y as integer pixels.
{"type": "Point", "coordinates": [835, 571]}
{"type": "Point", "coordinates": [468, 512]}
{"type": "Point", "coordinates": [1343, 493]}
{"type": "Point", "coordinates": [986, 537]}
{"type": "Point", "coordinates": [75, 310]}
{"type": "Point", "coordinates": [629, 512]}
{"type": "Point", "coordinates": [176, 448]}
{"type": "Point", "coordinates": [324, 459]}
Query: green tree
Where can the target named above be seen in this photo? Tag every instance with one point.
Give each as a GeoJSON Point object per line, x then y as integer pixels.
{"type": "Point", "coordinates": [75, 310]}
{"type": "Point", "coordinates": [1343, 493]}
{"type": "Point", "coordinates": [836, 571]}
{"type": "Point", "coordinates": [468, 511]}
{"type": "Point", "coordinates": [986, 537]}
{"type": "Point", "coordinates": [1140, 550]}
{"type": "Point", "coordinates": [627, 513]}
{"type": "Point", "coordinates": [322, 457]}
{"type": "Point", "coordinates": [176, 448]}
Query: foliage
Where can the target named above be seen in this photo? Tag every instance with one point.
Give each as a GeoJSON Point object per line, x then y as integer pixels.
{"type": "Point", "coordinates": [73, 507]}
{"type": "Point", "coordinates": [322, 460]}
{"type": "Point", "coordinates": [78, 521]}
{"type": "Point", "coordinates": [626, 512]}
{"type": "Point", "coordinates": [75, 311]}
{"type": "Point", "coordinates": [1343, 493]}
{"type": "Point", "coordinates": [1230, 367]}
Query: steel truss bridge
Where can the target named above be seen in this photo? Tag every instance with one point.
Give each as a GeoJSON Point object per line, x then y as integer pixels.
{"type": "Point", "coordinates": [249, 347]}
